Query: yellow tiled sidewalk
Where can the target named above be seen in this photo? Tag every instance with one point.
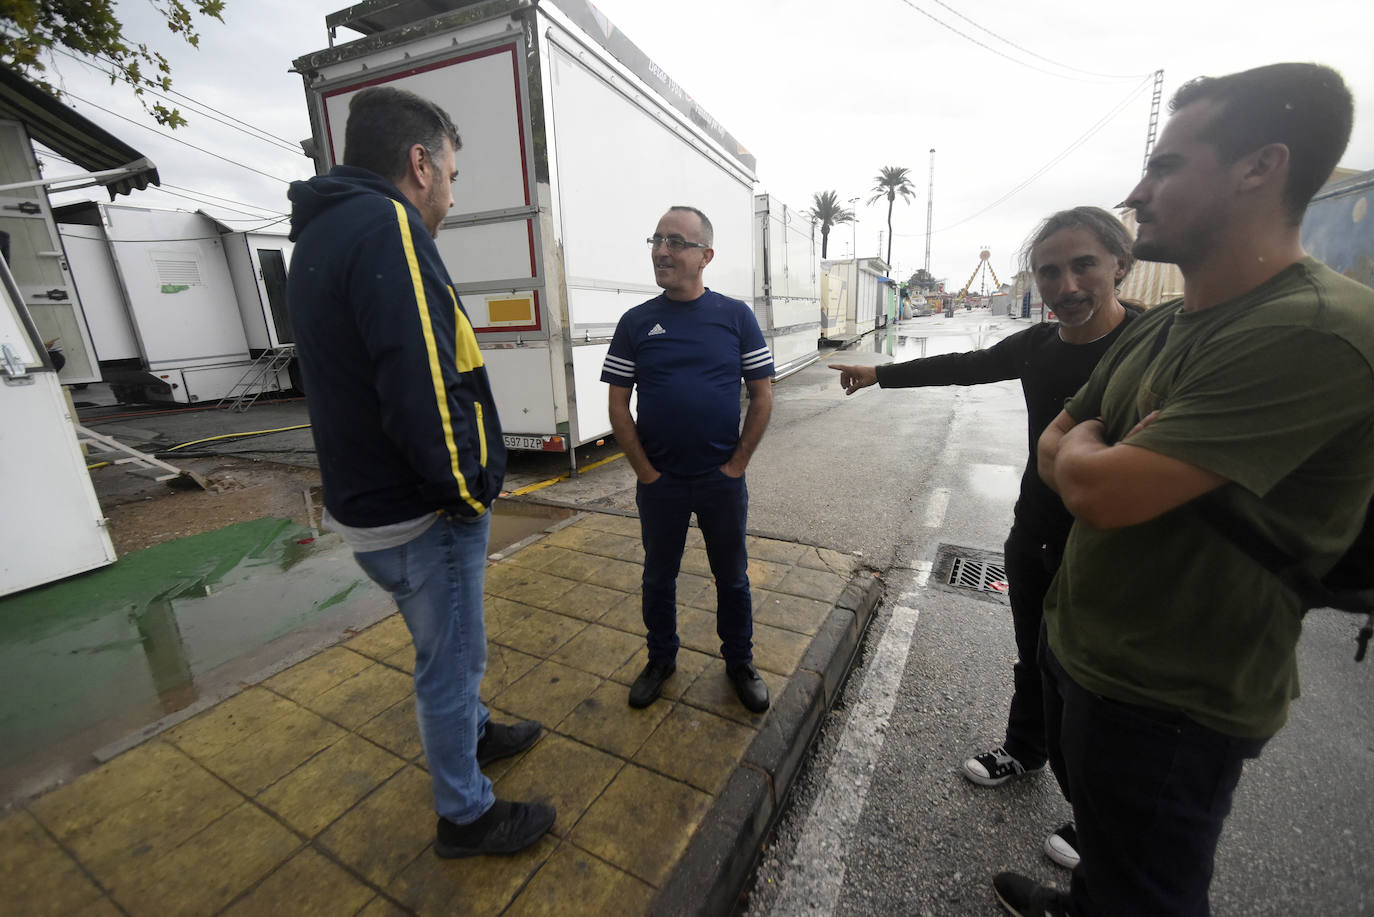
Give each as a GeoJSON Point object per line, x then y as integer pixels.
{"type": "Point", "coordinates": [307, 793]}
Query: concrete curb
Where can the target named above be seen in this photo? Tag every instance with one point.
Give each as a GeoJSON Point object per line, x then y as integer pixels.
{"type": "Point", "coordinates": [722, 854]}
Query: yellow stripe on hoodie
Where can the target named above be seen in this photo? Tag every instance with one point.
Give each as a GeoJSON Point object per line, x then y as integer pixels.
{"type": "Point", "coordinates": [436, 374]}
{"type": "Point", "coordinates": [467, 353]}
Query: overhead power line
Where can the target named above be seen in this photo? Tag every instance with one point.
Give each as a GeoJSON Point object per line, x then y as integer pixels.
{"type": "Point", "coordinates": [1082, 139]}
{"type": "Point", "coordinates": [208, 111]}
{"type": "Point", "coordinates": [976, 25]}
{"type": "Point", "coordinates": [168, 136]}
{"type": "Point", "coordinates": [1003, 54]}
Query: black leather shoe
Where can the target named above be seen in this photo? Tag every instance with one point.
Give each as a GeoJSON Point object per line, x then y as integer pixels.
{"type": "Point", "coordinates": [501, 741]}
{"type": "Point", "coordinates": [504, 828]}
{"type": "Point", "coordinates": [750, 687]}
{"type": "Point", "coordinates": [649, 685]}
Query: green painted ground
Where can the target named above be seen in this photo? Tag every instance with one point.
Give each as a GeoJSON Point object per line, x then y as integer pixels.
{"type": "Point", "coordinates": [130, 640]}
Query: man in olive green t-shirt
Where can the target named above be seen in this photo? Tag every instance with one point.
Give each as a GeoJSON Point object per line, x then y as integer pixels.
{"type": "Point", "coordinates": [1169, 653]}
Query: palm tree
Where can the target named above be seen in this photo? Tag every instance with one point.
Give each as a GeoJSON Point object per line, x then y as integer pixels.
{"type": "Point", "coordinates": [826, 210]}
{"type": "Point", "coordinates": [890, 182]}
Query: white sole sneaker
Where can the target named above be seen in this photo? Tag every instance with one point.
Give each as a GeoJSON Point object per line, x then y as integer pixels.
{"type": "Point", "coordinates": [1060, 846]}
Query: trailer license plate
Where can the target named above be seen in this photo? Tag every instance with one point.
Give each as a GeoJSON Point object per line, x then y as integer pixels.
{"type": "Point", "coordinates": [523, 442]}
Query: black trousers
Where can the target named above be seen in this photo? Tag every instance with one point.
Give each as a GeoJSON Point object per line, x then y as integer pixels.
{"type": "Point", "coordinates": [1150, 792]}
{"type": "Point", "coordinates": [1030, 567]}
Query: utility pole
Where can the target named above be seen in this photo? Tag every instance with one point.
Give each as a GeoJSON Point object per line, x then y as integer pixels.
{"type": "Point", "coordinates": [930, 207]}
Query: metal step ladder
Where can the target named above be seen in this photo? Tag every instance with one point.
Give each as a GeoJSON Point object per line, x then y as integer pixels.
{"type": "Point", "coordinates": [100, 446]}
{"type": "Point", "coordinates": [255, 381]}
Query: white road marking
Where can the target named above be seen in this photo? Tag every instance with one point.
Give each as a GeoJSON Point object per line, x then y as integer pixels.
{"type": "Point", "coordinates": [813, 884]}
{"type": "Point", "coordinates": [935, 509]}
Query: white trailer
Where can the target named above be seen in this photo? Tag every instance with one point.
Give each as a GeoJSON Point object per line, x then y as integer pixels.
{"type": "Point", "coordinates": [852, 297]}
{"type": "Point", "coordinates": [574, 143]}
{"type": "Point", "coordinates": [179, 296]}
{"type": "Point", "coordinates": [787, 298]}
{"type": "Point", "coordinates": [55, 526]}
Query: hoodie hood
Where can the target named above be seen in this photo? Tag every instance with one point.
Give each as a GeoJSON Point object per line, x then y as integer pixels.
{"type": "Point", "coordinates": [341, 184]}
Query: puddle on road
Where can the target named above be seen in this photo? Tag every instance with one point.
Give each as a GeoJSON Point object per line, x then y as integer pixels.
{"type": "Point", "coordinates": [86, 661]}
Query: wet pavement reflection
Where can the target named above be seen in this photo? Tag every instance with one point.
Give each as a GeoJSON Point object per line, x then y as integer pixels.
{"type": "Point", "coordinates": [86, 661]}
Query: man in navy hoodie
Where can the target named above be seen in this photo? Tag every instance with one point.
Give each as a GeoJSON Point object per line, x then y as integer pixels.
{"type": "Point", "coordinates": [407, 435]}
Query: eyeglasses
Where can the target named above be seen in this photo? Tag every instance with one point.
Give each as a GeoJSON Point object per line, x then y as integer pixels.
{"type": "Point", "coordinates": [673, 243]}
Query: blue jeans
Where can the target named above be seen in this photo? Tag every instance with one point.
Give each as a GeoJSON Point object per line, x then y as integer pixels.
{"type": "Point", "coordinates": [1150, 789]}
{"type": "Point", "coordinates": [436, 580]}
{"type": "Point", "coordinates": [721, 504]}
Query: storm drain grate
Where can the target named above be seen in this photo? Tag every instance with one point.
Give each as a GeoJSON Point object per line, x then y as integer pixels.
{"type": "Point", "coordinates": [968, 573]}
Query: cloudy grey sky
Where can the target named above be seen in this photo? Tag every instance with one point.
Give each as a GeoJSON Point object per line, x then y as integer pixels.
{"type": "Point", "coordinates": [1050, 102]}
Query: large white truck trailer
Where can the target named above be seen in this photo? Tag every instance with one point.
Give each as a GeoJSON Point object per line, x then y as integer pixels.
{"type": "Point", "coordinates": [573, 144]}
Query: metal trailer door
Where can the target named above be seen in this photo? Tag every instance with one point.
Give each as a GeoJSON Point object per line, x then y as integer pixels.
{"type": "Point", "coordinates": [37, 262]}
{"type": "Point", "coordinates": [53, 524]}
{"type": "Point", "coordinates": [490, 239]}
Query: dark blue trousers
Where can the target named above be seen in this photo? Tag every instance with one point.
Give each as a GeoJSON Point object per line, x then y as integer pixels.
{"type": "Point", "coordinates": [721, 504]}
{"type": "Point", "coordinates": [1150, 792]}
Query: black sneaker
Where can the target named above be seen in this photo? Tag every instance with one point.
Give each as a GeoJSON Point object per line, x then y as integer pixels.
{"type": "Point", "coordinates": [994, 768]}
{"type": "Point", "coordinates": [501, 741]}
{"type": "Point", "coordinates": [649, 685]}
{"type": "Point", "coordinates": [1025, 897]}
{"type": "Point", "coordinates": [504, 828]}
{"type": "Point", "coordinates": [749, 685]}
{"type": "Point", "coordinates": [1062, 846]}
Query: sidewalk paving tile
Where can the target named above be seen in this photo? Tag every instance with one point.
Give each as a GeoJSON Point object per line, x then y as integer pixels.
{"type": "Point", "coordinates": [573, 883]}
{"type": "Point", "coordinates": [542, 634]}
{"type": "Point", "coordinates": [319, 673]}
{"type": "Point", "coordinates": [359, 698]}
{"type": "Point", "coordinates": [125, 842]}
{"type": "Point", "coordinates": [598, 649]}
{"type": "Point", "coordinates": [471, 887]}
{"type": "Point", "coordinates": [791, 612]}
{"type": "Point", "coordinates": [381, 835]}
{"type": "Point", "coordinates": [714, 746]}
{"type": "Point", "coordinates": [264, 757]}
{"type": "Point", "coordinates": [36, 875]}
{"type": "Point", "coordinates": [590, 602]}
{"type": "Point", "coordinates": [211, 869]}
{"type": "Point", "coordinates": [778, 650]}
{"type": "Point", "coordinates": [395, 730]}
{"type": "Point", "coordinates": [505, 667]}
{"type": "Point", "coordinates": [328, 785]}
{"type": "Point", "coordinates": [228, 723]}
{"type": "Point", "coordinates": [565, 774]}
{"type": "Point", "coordinates": [382, 639]}
{"type": "Point", "coordinates": [308, 794]}
{"type": "Point", "coordinates": [642, 823]}
{"type": "Point", "coordinates": [75, 808]}
{"type": "Point", "coordinates": [605, 720]}
{"type": "Point", "coordinates": [501, 614]}
{"type": "Point", "coordinates": [547, 693]}
{"type": "Point", "coordinates": [307, 885]}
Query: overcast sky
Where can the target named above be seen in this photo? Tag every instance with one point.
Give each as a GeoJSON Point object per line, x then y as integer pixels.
{"type": "Point", "coordinates": [824, 94]}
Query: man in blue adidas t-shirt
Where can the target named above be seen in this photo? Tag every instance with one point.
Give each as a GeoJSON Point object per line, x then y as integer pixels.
{"type": "Point", "coordinates": [686, 352]}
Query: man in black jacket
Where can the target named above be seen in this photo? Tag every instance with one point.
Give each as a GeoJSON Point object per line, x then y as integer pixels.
{"type": "Point", "coordinates": [1079, 257]}
{"type": "Point", "coordinates": [407, 435]}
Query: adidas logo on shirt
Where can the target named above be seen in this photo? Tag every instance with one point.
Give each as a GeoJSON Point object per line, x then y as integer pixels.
{"type": "Point", "coordinates": [657, 329]}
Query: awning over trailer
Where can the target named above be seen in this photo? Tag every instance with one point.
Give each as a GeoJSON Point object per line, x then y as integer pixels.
{"type": "Point", "coordinates": [116, 165]}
